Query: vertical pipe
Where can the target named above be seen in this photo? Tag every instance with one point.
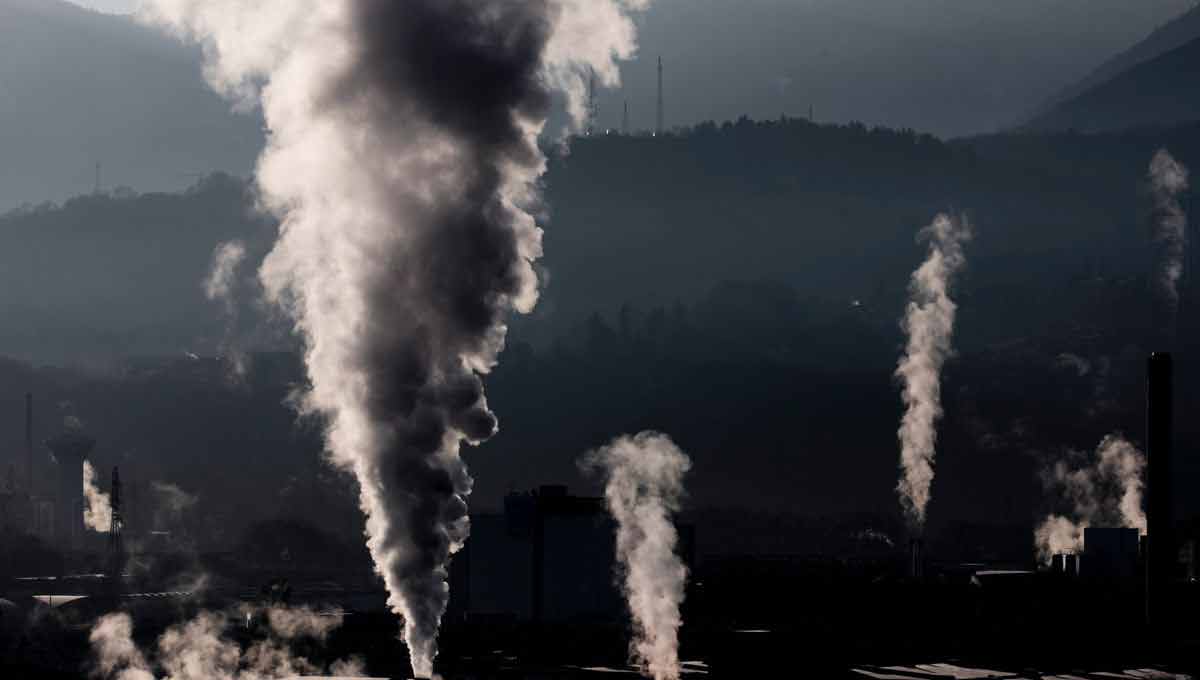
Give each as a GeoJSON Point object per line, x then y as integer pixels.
{"type": "Point", "coordinates": [658, 123]}
{"type": "Point", "coordinates": [29, 443]}
{"type": "Point", "coordinates": [1160, 559]}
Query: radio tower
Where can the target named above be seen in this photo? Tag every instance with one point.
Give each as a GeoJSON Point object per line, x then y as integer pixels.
{"type": "Point", "coordinates": [625, 119]}
{"type": "Point", "coordinates": [116, 547]}
{"type": "Point", "coordinates": [658, 122]}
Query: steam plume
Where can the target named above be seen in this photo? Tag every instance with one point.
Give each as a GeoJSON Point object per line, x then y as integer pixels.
{"type": "Point", "coordinates": [402, 160]}
{"type": "Point", "coordinates": [1106, 491]}
{"type": "Point", "coordinates": [1169, 179]}
{"type": "Point", "coordinates": [222, 273]}
{"type": "Point", "coordinates": [929, 324]}
{"type": "Point", "coordinates": [97, 513]}
{"type": "Point", "coordinates": [202, 648]}
{"type": "Point", "coordinates": [644, 483]}
{"type": "Point", "coordinates": [220, 286]}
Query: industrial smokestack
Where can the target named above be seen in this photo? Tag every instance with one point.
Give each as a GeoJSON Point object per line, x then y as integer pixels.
{"type": "Point", "coordinates": [403, 164]}
{"type": "Point", "coordinates": [29, 442]}
{"type": "Point", "coordinates": [916, 559]}
{"type": "Point", "coordinates": [658, 120]}
{"type": "Point", "coordinates": [1160, 544]}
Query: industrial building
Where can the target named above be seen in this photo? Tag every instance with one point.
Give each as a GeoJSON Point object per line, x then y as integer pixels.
{"type": "Point", "coordinates": [549, 557]}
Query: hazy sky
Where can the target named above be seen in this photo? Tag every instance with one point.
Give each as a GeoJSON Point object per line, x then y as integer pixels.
{"type": "Point", "coordinates": [117, 6]}
{"type": "Point", "coordinates": [944, 66]}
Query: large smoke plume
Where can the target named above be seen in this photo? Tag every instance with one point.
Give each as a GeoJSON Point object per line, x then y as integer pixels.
{"type": "Point", "coordinates": [97, 509]}
{"type": "Point", "coordinates": [203, 648]}
{"type": "Point", "coordinates": [1103, 491]}
{"type": "Point", "coordinates": [929, 325]}
{"type": "Point", "coordinates": [402, 160]}
{"type": "Point", "coordinates": [1168, 179]}
{"type": "Point", "coordinates": [644, 485]}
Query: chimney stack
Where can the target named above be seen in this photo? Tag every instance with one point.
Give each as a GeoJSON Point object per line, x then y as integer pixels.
{"type": "Point", "coordinates": [29, 443]}
{"type": "Point", "coordinates": [1160, 557]}
{"type": "Point", "coordinates": [658, 124]}
{"type": "Point", "coordinates": [916, 556]}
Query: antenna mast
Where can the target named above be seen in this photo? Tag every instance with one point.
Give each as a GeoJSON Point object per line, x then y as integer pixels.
{"type": "Point", "coordinates": [658, 123]}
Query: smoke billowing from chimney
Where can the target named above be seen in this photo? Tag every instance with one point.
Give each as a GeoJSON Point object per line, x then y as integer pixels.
{"type": "Point", "coordinates": [1105, 491]}
{"type": "Point", "coordinates": [1169, 179]}
{"type": "Point", "coordinates": [644, 485]}
{"type": "Point", "coordinates": [402, 160]}
{"type": "Point", "coordinates": [929, 326]}
{"type": "Point", "coordinates": [97, 509]}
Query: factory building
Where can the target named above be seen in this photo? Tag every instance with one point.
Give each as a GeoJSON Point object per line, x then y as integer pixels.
{"type": "Point", "coordinates": [549, 557]}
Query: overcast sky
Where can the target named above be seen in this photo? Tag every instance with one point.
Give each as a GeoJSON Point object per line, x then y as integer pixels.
{"type": "Point", "coordinates": [946, 66]}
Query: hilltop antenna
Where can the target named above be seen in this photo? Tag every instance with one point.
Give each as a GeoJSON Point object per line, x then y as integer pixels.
{"type": "Point", "coordinates": [658, 121]}
{"type": "Point", "coordinates": [625, 119]}
{"type": "Point", "coordinates": [96, 189]}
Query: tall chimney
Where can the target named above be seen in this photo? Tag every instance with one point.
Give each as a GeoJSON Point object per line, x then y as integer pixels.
{"type": "Point", "coordinates": [29, 443]}
{"type": "Point", "coordinates": [658, 124]}
{"type": "Point", "coordinates": [1160, 557]}
{"type": "Point", "coordinates": [916, 559]}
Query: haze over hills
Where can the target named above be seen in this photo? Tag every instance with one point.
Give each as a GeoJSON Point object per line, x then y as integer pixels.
{"type": "Point", "coordinates": [79, 88]}
{"type": "Point", "coordinates": [1158, 92]}
{"type": "Point", "coordinates": [1170, 36]}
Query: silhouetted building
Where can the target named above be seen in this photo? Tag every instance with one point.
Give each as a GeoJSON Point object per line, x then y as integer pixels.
{"type": "Point", "coordinates": [1110, 554]}
{"type": "Point", "coordinates": [550, 557]}
{"type": "Point", "coordinates": [70, 448]}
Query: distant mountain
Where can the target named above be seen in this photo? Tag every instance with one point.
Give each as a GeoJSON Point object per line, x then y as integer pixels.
{"type": "Point", "coordinates": [79, 87]}
{"type": "Point", "coordinates": [1160, 92]}
{"type": "Point", "coordinates": [1170, 36]}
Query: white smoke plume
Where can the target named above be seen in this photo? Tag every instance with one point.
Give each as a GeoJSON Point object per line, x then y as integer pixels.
{"type": "Point", "coordinates": [170, 503]}
{"type": "Point", "coordinates": [644, 486]}
{"type": "Point", "coordinates": [220, 286]}
{"type": "Point", "coordinates": [1169, 179]}
{"type": "Point", "coordinates": [203, 647]}
{"type": "Point", "coordinates": [929, 326]}
{"type": "Point", "coordinates": [402, 160]}
{"type": "Point", "coordinates": [1104, 491]}
{"type": "Point", "coordinates": [115, 654]}
{"type": "Point", "coordinates": [97, 511]}
{"type": "Point", "coordinates": [221, 281]}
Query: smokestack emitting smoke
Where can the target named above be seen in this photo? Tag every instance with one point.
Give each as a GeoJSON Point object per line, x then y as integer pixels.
{"type": "Point", "coordinates": [1169, 179]}
{"type": "Point", "coordinates": [644, 485]}
{"type": "Point", "coordinates": [1104, 492]}
{"type": "Point", "coordinates": [929, 325]}
{"type": "Point", "coordinates": [97, 508]}
{"type": "Point", "coordinates": [403, 163]}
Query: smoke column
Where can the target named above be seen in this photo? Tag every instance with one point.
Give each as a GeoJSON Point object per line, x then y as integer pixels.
{"type": "Point", "coordinates": [1168, 179]}
{"type": "Point", "coordinates": [1106, 491]}
{"type": "Point", "coordinates": [219, 287]}
{"type": "Point", "coordinates": [644, 484]}
{"type": "Point", "coordinates": [97, 513]}
{"type": "Point", "coordinates": [402, 161]}
{"type": "Point", "coordinates": [929, 325]}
